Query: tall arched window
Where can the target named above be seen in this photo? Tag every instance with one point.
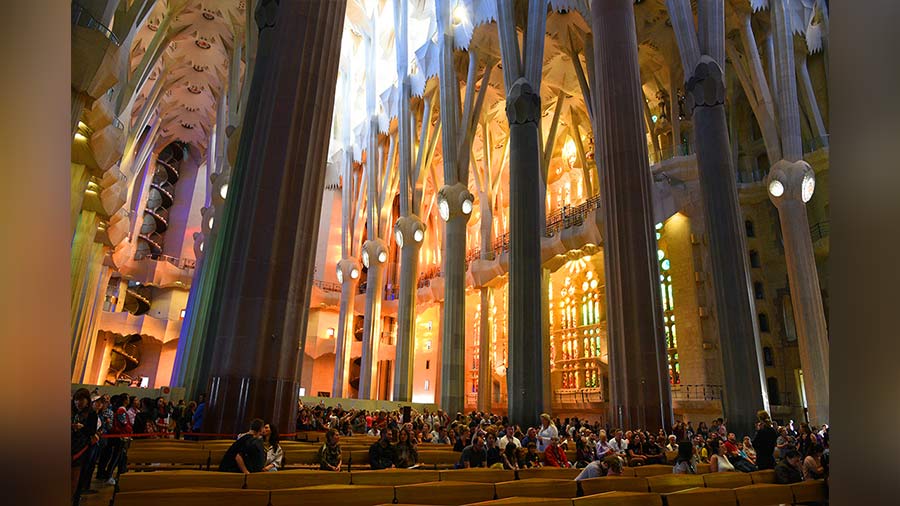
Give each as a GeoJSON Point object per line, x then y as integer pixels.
{"type": "Point", "coordinates": [774, 394]}
{"type": "Point", "coordinates": [763, 322]}
{"type": "Point", "coordinates": [668, 304]}
{"type": "Point", "coordinates": [758, 292]}
{"type": "Point", "coordinates": [748, 225]}
{"type": "Point", "coordinates": [754, 259]}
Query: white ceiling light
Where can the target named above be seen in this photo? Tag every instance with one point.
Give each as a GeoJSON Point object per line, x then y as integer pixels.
{"type": "Point", "coordinates": [444, 208]}
{"type": "Point", "coordinates": [223, 191]}
{"type": "Point", "coordinates": [776, 188]}
{"type": "Point", "coordinates": [398, 235]}
{"type": "Point", "coordinates": [365, 258]}
{"type": "Point", "coordinates": [807, 186]}
{"type": "Point", "coordinates": [354, 273]}
{"type": "Point", "coordinates": [418, 235]}
{"type": "Point", "coordinates": [467, 207]}
{"type": "Point", "coordinates": [340, 274]}
{"type": "Point", "coordinates": [382, 256]}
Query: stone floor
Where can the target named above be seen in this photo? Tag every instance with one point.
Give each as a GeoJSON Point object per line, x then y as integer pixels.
{"type": "Point", "coordinates": [102, 497]}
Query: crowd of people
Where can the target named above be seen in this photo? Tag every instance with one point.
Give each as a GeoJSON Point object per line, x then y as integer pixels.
{"type": "Point", "coordinates": [102, 426]}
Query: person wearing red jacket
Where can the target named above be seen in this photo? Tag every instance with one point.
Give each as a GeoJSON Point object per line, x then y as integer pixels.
{"type": "Point", "coordinates": [554, 456]}
{"type": "Point", "coordinates": [121, 427]}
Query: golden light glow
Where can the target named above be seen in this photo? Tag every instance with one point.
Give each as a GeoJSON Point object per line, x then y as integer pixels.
{"type": "Point", "coordinates": [459, 14]}
{"type": "Point", "coordinates": [80, 137]}
{"type": "Point", "coordinates": [568, 152]}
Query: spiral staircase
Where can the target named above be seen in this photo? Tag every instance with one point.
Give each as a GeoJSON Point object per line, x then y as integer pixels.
{"type": "Point", "coordinates": [137, 299]}
{"type": "Point", "coordinates": [155, 220]}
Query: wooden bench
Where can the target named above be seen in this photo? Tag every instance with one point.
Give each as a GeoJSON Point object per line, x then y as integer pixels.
{"type": "Point", "coordinates": [306, 458]}
{"type": "Point", "coordinates": [554, 473]}
{"type": "Point", "coordinates": [702, 468]}
{"type": "Point", "coordinates": [296, 478]}
{"type": "Point", "coordinates": [537, 487]}
{"type": "Point", "coordinates": [543, 501]}
{"type": "Point", "coordinates": [809, 491]}
{"type": "Point", "coordinates": [764, 494]}
{"type": "Point", "coordinates": [766, 476]}
{"type": "Point", "coordinates": [652, 470]}
{"type": "Point", "coordinates": [345, 495]}
{"type": "Point", "coordinates": [444, 492]}
{"type": "Point", "coordinates": [359, 459]}
{"type": "Point", "coordinates": [134, 482]}
{"type": "Point", "coordinates": [478, 475]}
{"type": "Point", "coordinates": [667, 483]}
{"type": "Point", "coordinates": [701, 497]}
{"type": "Point", "coordinates": [194, 497]}
{"type": "Point", "coordinates": [619, 499]}
{"type": "Point", "coordinates": [392, 477]}
{"type": "Point", "coordinates": [167, 458]}
{"type": "Point", "coordinates": [726, 480]}
{"type": "Point", "coordinates": [602, 484]}
{"type": "Point", "coordinates": [439, 459]}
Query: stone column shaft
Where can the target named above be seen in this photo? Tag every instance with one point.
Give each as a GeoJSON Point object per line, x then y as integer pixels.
{"type": "Point", "coordinates": [406, 321]}
{"type": "Point", "coordinates": [371, 328]}
{"type": "Point", "coordinates": [526, 227]}
{"type": "Point", "coordinates": [453, 330]}
{"type": "Point", "coordinates": [788, 105]}
{"type": "Point", "coordinates": [484, 353]}
{"type": "Point", "coordinates": [640, 389]}
{"type": "Point", "coordinates": [744, 376]}
{"type": "Point", "coordinates": [344, 338]}
{"type": "Point", "coordinates": [261, 298]}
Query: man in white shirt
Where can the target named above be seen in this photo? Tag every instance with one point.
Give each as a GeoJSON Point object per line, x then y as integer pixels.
{"type": "Point", "coordinates": [509, 437]}
{"type": "Point", "coordinates": [618, 444]}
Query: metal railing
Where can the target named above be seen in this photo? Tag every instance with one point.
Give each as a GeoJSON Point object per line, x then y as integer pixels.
{"type": "Point", "coordinates": [820, 230]}
{"type": "Point", "coordinates": [697, 392]}
{"type": "Point", "coordinates": [670, 152]}
{"type": "Point", "coordinates": [327, 285]}
{"type": "Point", "coordinates": [81, 17]}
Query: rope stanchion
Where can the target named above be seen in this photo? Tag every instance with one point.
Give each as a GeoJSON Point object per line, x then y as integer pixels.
{"type": "Point", "coordinates": [170, 435]}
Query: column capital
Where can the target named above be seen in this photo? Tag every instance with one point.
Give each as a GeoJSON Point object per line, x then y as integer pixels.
{"type": "Point", "coordinates": [346, 269]}
{"type": "Point", "coordinates": [374, 252]}
{"type": "Point", "coordinates": [790, 181]}
{"type": "Point", "coordinates": [523, 105]}
{"type": "Point", "coordinates": [265, 14]}
{"type": "Point", "coordinates": [706, 87]}
{"type": "Point", "coordinates": [455, 201]}
{"type": "Point", "coordinates": [409, 231]}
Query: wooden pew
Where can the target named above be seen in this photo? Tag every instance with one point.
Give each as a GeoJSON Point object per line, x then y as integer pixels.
{"type": "Point", "coordinates": [392, 477]}
{"type": "Point", "coordinates": [652, 470]}
{"type": "Point", "coordinates": [134, 482]}
{"type": "Point", "coordinates": [306, 458]}
{"type": "Point", "coordinates": [809, 491]}
{"type": "Point", "coordinates": [766, 476]}
{"type": "Point", "coordinates": [193, 497]}
{"type": "Point", "coordinates": [764, 494]}
{"type": "Point", "coordinates": [726, 480]}
{"type": "Point", "coordinates": [513, 501]}
{"type": "Point", "coordinates": [701, 497]}
{"type": "Point", "coordinates": [295, 479]}
{"type": "Point", "coordinates": [667, 483]}
{"type": "Point", "coordinates": [537, 487]}
{"type": "Point", "coordinates": [439, 459]}
{"type": "Point", "coordinates": [479, 475]}
{"type": "Point", "coordinates": [167, 458]}
{"type": "Point", "coordinates": [555, 473]}
{"type": "Point", "coordinates": [344, 495]}
{"type": "Point", "coordinates": [602, 484]}
{"type": "Point", "coordinates": [619, 499]}
{"type": "Point", "coordinates": [444, 492]}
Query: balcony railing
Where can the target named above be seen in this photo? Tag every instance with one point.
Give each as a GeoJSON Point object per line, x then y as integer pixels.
{"type": "Point", "coordinates": [697, 392]}
{"type": "Point", "coordinates": [670, 152]}
{"type": "Point", "coordinates": [820, 230]}
{"type": "Point", "coordinates": [327, 286]}
{"type": "Point", "coordinates": [81, 17]}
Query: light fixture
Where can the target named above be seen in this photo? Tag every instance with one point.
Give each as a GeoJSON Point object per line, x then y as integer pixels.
{"type": "Point", "coordinates": [398, 236]}
{"type": "Point", "coordinates": [382, 256]}
{"type": "Point", "coordinates": [354, 273]}
{"type": "Point", "coordinates": [201, 247]}
{"type": "Point", "coordinates": [659, 226]}
{"type": "Point", "coordinates": [330, 332]}
{"type": "Point", "coordinates": [418, 235]}
{"type": "Point", "coordinates": [80, 137]}
{"type": "Point", "coordinates": [776, 189]}
{"type": "Point", "coordinates": [340, 274]}
{"type": "Point", "coordinates": [444, 209]}
{"type": "Point", "coordinates": [223, 191]}
{"type": "Point", "coordinates": [467, 206]}
{"type": "Point", "coordinates": [212, 220]}
{"type": "Point", "coordinates": [81, 125]}
{"type": "Point", "coordinates": [365, 258]}
{"type": "Point", "coordinates": [807, 186]}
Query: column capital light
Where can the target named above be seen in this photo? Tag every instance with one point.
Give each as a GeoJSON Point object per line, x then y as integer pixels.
{"type": "Point", "coordinates": [409, 231]}
{"type": "Point", "coordinates": [374, 252]}
{"type": "Point", "coordinates": [455, 201]}
{"type": "Point", "coordinates": [790, 181]}
{"type": "Point", "coordinates": [346, 268]}
{"type": "Point", "coordinates": [523, 105]}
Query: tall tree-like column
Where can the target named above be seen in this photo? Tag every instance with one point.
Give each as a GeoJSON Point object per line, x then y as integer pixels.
{"type": "Point", "coordinates": [640, 389]}
{"type": "Point", "coordinates": [527, 374]}
{"type": "Point", "coordinates": [703, 64]}
{"type": "Point", "coordinates": [791, 183]}
{"type": "Point", "coordinates": [259, 304]}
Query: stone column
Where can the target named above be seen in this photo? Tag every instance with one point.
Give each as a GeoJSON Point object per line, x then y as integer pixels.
{"type": "Point", "coordinates": [641, 396]}
{"type": "Point", "coordinates": [526, 226]}
{"type": "Point", "coordinates": [484, 353]}
{"type": "Point", "coordinates": [374, 256]}
{"type": "Point", "coordinates": [744, 377]}
{"type": "Point", "coordinates": [791, 186]}
{"type": "Point", "coordinates": [409, 233]}
{"type": "Point", "coordinates": [455, 205]}
{"type": "Point", "coordinates": [348, 275]}
{"type": "Point", "coordinates": [259, 304]}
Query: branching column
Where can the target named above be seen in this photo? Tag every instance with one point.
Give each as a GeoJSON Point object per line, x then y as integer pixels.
{"type": "Point", "coordinates": [258, 319]}
{"type": "Point", "coordinates": [640, 389]}
{"type": "Point", "coordinates": [348, 275]}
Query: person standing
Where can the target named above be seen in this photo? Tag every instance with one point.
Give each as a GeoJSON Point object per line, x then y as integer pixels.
{"type": "Point", "coordinates": [764, 442]}
{"type": "Point", "coordinates": [197, 419]}
{"type": "Point", "coordinates": [547, 432]}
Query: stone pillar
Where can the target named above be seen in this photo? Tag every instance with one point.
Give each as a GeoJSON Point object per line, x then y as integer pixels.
{"type": "Point", "coordinates": [455, 205]}
{"type": "Point", "coordinates": [409, 234]}
{"type": "Point", "coordinates": [641, 396]}
{"type": "Point", "coordinates": [259, 304]}
{"type": "Point", "coordinates": [790, 187]}
{"type": "Point", "coordinates": [374, 256]}
{"type": "Point", "coordinates": [484, 353]}
{"type": "Point", "coordinates": [744, 376]}
{"type": "Point", "coordinates": [348, 271]}
{"type": "Point", "coordinates": [526, 226]}
{"type": "Point", "coordinates": [785, 76]}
